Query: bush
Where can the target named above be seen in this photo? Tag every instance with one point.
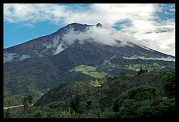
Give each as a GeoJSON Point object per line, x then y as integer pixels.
{"type": "Point", "coordinates": [147, 109]}
{"type": "Point", "coordinates": [109, 115]}
{"type": "Point", "coordinates": [75, 103]}
{"type": "Point", "coordinates": [57, 105]}
{"type": "Point", "coordinates": [143, 101]}
{"type": "Point", "coordinates": [169, 84]}
{"type": "Point", "coordinates": [64, 114]}
{"type": "Point", "coordinates": [39, 114]}
{"type": "Point", "coordinates": [143, 92]}
{"type": "Point", "coordinates": [139, 93]}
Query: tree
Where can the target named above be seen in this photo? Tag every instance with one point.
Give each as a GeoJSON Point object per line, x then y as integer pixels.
{"type": "Point", "coordinates": [8, 115]}
{"type": "Point", "coordinates": [169, 84]}
{"type": "Point", "coordinates": [144, 101]}
{"type": "Point", "coordinates": [64, 114]}
{"type": "Point", "coordinates": [139, 93]}
{"type": "Point", "coordinates": [30, 99]}
{"type": "Point", "coordinates": [75, 103]}
{"type": "Point", "coordinates": [27, 101]}
{"type": "Point", "coordinates": [39, 114]}
{"type": "Point", "coordinates": [88, 105]}
{"type": "Point", "coordinates": [61, 106]}
{"type": "Point", "coordinates": [24, 102]}
{"type": "Point", "coordinates": [124, 69]}
{"type": "Point", "coordinates": [141, 71]}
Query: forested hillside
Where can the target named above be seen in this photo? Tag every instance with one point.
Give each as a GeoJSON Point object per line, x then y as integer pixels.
{"type": "Point", "coordinates": [146, 94]}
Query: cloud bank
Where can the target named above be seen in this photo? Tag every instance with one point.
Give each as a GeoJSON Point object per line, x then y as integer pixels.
{"type": "Point", "coordinates": [23, 57]}
{"type": "Point", "coordinates": [142, 57]}
{"type": "Point", "coordinates": [152, 24]}
{"type": "Point", "coordinates": [100, 35]}
{"type": "Point", "coordinates": [8, 57]}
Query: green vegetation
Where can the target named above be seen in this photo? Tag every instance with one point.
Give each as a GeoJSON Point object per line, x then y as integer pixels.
{"type": "Point", "coordinates": [96, 94]}
{"type": "Point", "coordinates": [148, 95]}
{"type": "Point", "coordinates": [169, 84]}
{"type": "Point", "coordinates": [141, 71]}
{"type": "Point", "coordinates": [27, 101]}
{"type": "Point", "coordinates": [84, 68]}
{"type": "Point", "coordinates": [7, 114]}
{"type": "Point", "coordinates": [143, 101]}
{"type": "Point", "coordinates": [75, 103]}
{"type": "Point", "coordinates": [16, 87]}
{"type": "Point", "coordinates": [135, 67]}
{"type": "Point", "coordinates": [96, 83]}
{"type": "Point", "coordinates": [9, 107]}
{"type": "Point", "coordinates": [21, 79]}
{"type": "Point", "coordinates": [89, 70]}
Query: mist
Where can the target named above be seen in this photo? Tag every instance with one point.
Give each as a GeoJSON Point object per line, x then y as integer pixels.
{"type": "Point", "coordinates": [99, 35]}
{"type": "Point", "coordinates": [9, 57]}
{"type": "Point", "coordinates": [23, 57]}
{"type": "Point", "coordinates": [142, 57]}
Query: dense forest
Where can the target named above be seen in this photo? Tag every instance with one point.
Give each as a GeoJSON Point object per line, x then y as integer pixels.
{"type": "Point", "coordinates": [145, 94]}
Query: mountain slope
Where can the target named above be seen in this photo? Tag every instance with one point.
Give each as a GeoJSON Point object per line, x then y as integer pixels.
{"type": "Point", "coordinates": [130, 97]}
{"type": "Point", "coordinates": [47, 61]}
{"type": "Point", "coordinates": [42, 46]}
{"type": "Point", "coordinates": [53, 44]}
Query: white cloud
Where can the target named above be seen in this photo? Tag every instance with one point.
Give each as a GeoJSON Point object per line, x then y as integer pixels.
{"type": "Point", "coordinates": [160, 41]}
{"type": "Point", "coordinates": [108, 14]}
{"type": "Point", "coordinates": [8, 57]}
{"type": "Point", "coordinates": [142, 17]}
{"type": "Point", "coordinates": [33, 13]}
{"type": "Point", "coordinates": [97, 34]}
{"type": "Point", "coordinates": [59, 49]}
{"type": "Point", "coordinates": [23, 57]}
{"type": "Point", "coordinates": [141, 57]}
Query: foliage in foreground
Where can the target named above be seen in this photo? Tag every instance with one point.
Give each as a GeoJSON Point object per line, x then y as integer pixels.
{"type": "Point", "coordinates": [150, 94]}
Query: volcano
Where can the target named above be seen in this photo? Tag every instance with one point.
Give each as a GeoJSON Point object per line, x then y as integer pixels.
{"type": "Point", "coordinates": [42, 63]}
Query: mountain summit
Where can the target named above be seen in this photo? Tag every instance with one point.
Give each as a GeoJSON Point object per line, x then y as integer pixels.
{"type": "Point", "coordinates": [99, 25]}
{"type": "Point", "coordinates": [77, 26]}
{"type": "Point", "coordinates": [55, 43]}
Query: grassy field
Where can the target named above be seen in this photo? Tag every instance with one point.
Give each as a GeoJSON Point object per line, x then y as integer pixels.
{"type": "Point", "coordinates": [97, 74]}
{"type": "Point", "coordinates": [17, 106]}
{"type": "Point", "coordinates": [10, 107]}
{"type": "Point", "coordinates": [135, 67]}
{"type": "Point", "coordinates": [89, 70]}
{"type": "Point", "coordinates": [96, 83]}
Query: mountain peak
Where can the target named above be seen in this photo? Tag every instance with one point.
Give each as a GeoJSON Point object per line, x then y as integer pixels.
{"type": "Point", "coordinates": [98, 25]}
{"type": "Point", "coordinates": [73, 24]}
{"type": "Point", "coordinates": [77, 26]}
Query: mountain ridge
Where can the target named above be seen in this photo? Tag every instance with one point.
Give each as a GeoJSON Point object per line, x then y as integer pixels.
{"type": "Point", "coordinates": [53, 44]}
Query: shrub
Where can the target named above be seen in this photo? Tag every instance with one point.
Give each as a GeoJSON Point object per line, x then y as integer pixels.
{"type": "Point", "coordinates": [168, 81]}
{"type": "Point", "coordinates": [39, 114]}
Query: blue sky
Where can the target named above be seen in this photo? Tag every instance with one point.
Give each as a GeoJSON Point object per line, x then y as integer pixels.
{"type": "Point", "coordinates": [152, 25]}
{"type": "Point", "coordinates": [18, 33]}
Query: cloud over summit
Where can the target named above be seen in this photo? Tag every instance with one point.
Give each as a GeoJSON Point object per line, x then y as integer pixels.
{"type": "Point", "coordinates": [145, 22]}
{"type": "Point", "coordinates": [99, 35]}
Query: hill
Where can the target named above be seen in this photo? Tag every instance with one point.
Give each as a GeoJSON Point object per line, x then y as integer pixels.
{"type": "Point", "coordinates": [148, 95]}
